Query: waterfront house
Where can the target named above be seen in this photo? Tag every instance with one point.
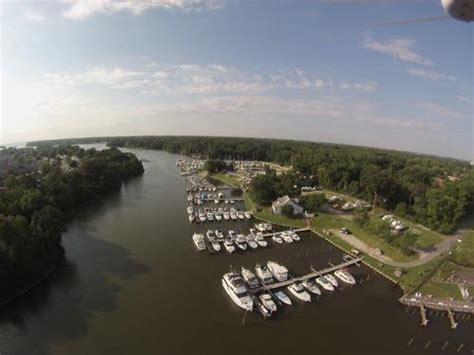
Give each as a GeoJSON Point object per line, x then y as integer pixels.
{"type": "Point", "coordinates": [281, 202]}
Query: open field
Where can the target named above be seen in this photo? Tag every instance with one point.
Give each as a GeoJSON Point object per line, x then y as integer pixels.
{"type": "Point", "coordinates": [463, 252]}
{"type": "Point", "coordinates": [441, 290]}
{"type": "Point", "coordinates": [226, 179]}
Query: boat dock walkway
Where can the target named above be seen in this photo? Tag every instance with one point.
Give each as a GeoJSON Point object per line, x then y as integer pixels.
{"type": "Point", "coordinates": [207, 199]}
{"type": "Point", "coordinates": [315, 273]}
{"type": "Point", "coordinates": [294, 230]}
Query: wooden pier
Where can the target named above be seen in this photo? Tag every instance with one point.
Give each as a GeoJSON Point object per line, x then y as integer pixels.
{"type": "Point", "coordinates": [266, 235]}
{"type": "Point", "coordinates": [314, 274]}
{"type": "Point", "coordinates": [424, 318]}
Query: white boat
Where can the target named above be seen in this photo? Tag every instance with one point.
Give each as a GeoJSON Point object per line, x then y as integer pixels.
{"type": "Point", "coordinates": [251, 242]}
{"type": "Point", "coordinates": [231, 202]}
{"type": "Point", "coordinates": [231, 234]}
{"type": "Point", "coordinates": [216, 246]}
{"type": "Point", "coordinates": [294, 236]}
{"type": "Point", "coordinates": [202, 216]}
{"type": "Point", "coordinates": [233, 215]}
{"type": "Point", "coordinates": [190, 209]}
{"type": "Point", "coordinates": [253, 231]}
{"type": "Point", "coordinates": [234, 286]}
{"type": "Point", "coordinates": [260, 240]}
{"type": "Point", "coordinates": [283, 297]}
{"type": "Point", "coordinates": [264, 274]}
{"type": "Point", "coordinates": [261, 308]}
{"type": "Point", "coordinates": [260, 227]}
{"type": "Point", "coordinates": [191, 218]}
{"type": "Point", "coordinates": [299, 292]}
{"type": "Point", "coordinates": [210, 235]}
{"type": "Point", "coordinates": [286, 237]}
{"type": "Point", "coordinates": [226, 202]}
{"type": "Point", "coordinates": [229, 246]}
{"type": "Point", "coordinates": [250, 278]}
{"type": "Point", "coordinates": [190, 198]}
{"type": "Point", "coordinates": [240, 215]}
{"type": "Point", "coordinates": [268, 302]}
{"type": "Point", "coordinates": [218, 217]}
{"type": "Point", "coordinates": [219, 234]}
{"type": "Point", "coordinates": [279, 271]}
{"type": "Point", "coordinates": [311, 287]}
{"type": "Point", "coordinates": [332, 280]}
{"type": "Point", "coordinates": [268, 227]}
{"type": "Point", "coordinates": [247, 215]}
{"type": "Point", "coordinates": [241, 242]}
{"type": "Point", "coordinates": [216, 201]}
{"type": "Point", "coordinates": [210, 216]}
{"type": "Point", "coordinates": [277, 238]}
{"type": "Point", "coordinates": [199, 241]}
{"type": "Point", "coordinates": [345, 276]}
{"type": "Point", "coordinates": [324, 283]}
{"type": "Point", "coordinates": [226, 215]}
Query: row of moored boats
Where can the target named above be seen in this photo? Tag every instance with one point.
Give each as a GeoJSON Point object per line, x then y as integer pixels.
{"type": "Point", "coordinates": [216, 214]}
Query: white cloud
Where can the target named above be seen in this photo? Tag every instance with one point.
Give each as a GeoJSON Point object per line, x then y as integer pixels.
{"type": "Point", "coordinates": [35, 17]}
{"type": "Point", "coordinates": [80, 9]}
{"type": "Point", "coordinates": [430, 74]}
{"type": "Point", "coordinates": [465, 99]}
{"type": "Point", "coordinates": [434, 109]}
{"type": "Point", "coordinates": [399, 48]}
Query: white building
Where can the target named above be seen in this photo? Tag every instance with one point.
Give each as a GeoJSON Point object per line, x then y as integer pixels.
{"type": "Point", "coordinates": [281, 202]}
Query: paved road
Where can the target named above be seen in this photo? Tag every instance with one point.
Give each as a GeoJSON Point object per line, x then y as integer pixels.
{"type": "Point", "coordinates": [425, 257]}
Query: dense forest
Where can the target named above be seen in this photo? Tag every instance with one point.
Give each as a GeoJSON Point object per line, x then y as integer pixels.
{"type": "Point", "coordinates": [39, 190]}
{"type": "Point", "coordinates": [437, 192]}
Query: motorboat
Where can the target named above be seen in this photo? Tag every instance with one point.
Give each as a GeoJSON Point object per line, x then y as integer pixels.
{"type": "Point", "coordinates": [216, 201]}
{"type": "Point", "coordinates": [253, 231]}
{"type": "Point", "coordinates": [229, 245]}
{"type": "Point", "coordinates": [286, 237]}
{"type": "Point", "coordinates": [294, 236]}
{"type": "Point", "coordinates": [216, 246]}
{"type": "Point", "coordinates": [268, 302]}
{"type": "Point", "coordinates": [240, 215]}
{"type": "Point", "coordinates": [251, 242]}
{"type": "Point", "coordinates": [345, 276]}
{"type": "Point", "coordinates": [324, 283]}
{"type": "Point", "coordinates": [211, 236]}
{"type": "Point", "coordinates": [218, 216]}
{"type": "Point", "coordinates": [202, 217]}
{"type": "Point", "coordinates": [190, 197]}
{"type": "Point", "coordinates": [260, 227]}
{"type": "Point", "coordinates": [219, 234]}
{"type": "Point", "coordinates": [231, 234]}
{"type": "Point", "coordinates": [264, 274]}
{"type": "Point", "coordinates": [260, 240]}
{"type": "Point", "coordinates": [241, 242]}
{"type": "Point", "coordinates": [332, 280]}
{"type": "Point", "coordinates": [210, 216]}
{"type": "Point", "coordinates": [250, 278]}
{"type": "Point", "coordinates": [231, 202]}
{"type": "Point", "coordinates": [191, 218]}
{"type": "Point", "coordinates": [311, 287]}
{"type": "Point", "coordinates": [268, 227]}
{"type": "Point", "coordinates": [247, 215]}
{"type": "Point", "coordinates": [226, 202]}
{"type": "Point", "coordinates": [277, 238]}
{"type": "Point", "coordinates": [199, 241]}
{"type": "Point", "coordinates": [279, 271]}
{"type": "Point", "coordinates": [226, 215]}
{"type": "Point", "coordinates": [190, 209]}
{"type": "Point", "coordinates": [261, 308]}
{"type": "Point", "coordinates": [299, 292]}
{"type": "Point", "coordinates": [283, 297]}
{"type": "Point", "coordinates": [234, 285]}
{"type": "Point", "coordinates": [233, 215]}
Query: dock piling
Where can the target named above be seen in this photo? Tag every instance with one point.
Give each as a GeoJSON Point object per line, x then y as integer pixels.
{"type": "Point", "coordinates": [424, 319]}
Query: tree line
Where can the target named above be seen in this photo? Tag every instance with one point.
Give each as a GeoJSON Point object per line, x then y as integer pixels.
{"type": "Point", "coordinates": [35, 205]}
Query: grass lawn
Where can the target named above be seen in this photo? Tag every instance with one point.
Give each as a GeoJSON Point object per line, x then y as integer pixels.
{"type": "Point", "coordinates": [442, 290]}
{"type": "Point", "coordinates": [329, 221]}
{"type": "Point", "coordinates": [463, 253]}
{"type": "Point", "coordinates": [281, 219]}
{"type": "Point", "coordinates": [250, 205]}
{"type": "Point", "coordinates": [226, 179]}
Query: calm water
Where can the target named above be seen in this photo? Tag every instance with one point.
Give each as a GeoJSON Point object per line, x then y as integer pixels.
{"type": "Point", "coordinates": [133, 283]}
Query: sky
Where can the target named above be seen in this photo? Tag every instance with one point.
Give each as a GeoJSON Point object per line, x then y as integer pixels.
{"type": "Point", "coordinates": [362, 72]}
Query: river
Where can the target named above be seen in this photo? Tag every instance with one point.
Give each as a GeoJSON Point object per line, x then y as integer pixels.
{"type": "Point", "coordinates": [134, 283]}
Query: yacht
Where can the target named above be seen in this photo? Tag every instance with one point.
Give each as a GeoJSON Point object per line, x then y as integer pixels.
{"type": "Point", "coordinates": [268, 227]}
{"type": "Point", "coordinates": [229, 246]}
{"type": "Point", "coordinates": [226, 202]}
{"type": "Point", "coordinates": [277, 238]}
{"type": "Point", "coordinates": [263, 274]}
{"type": "Point", "coordinates": [241, 242]}
{"type": "Point", "coordinates": [250, 278]}
{"type": "Point", "coordinates": [279, 271]}
{"type": "Point", "coordinates": [199, 241]}
{"type": "Point", "coordinates": [345, 276]}
{"type": "Point", "coordinates": [247, 215]}
{"type": "Point", "coordinates": [219, 234]}
{"type": "Point", "coordinates": [253, 231]}
{"type": "Point", "coordinates": [311, 287]}
{"type": "Point", "coordinates": [226, 215]}
{"type": "Point", "coordinates": [251, 242]}
{"type": "Point", "coordinates": [233, 215]}
{"type": "Point", "coordinates": [286, 237]}
{"type": "Point", "coordinates": [220, 210]}
{"type": "Point", "coordinates": [283, 297]}
{"type": "Point", "coordinates": [191, 218]}
{"type": "Point", "coordinates": [294, 236]}
{"type": "Point", "coordinates": [190, 209]}
{"type": "Point", "coordinates": [210, 235]}
{"type": "Point", "coordinates": [231, 234]}
{"type": "Point", "coordinates": [218, 216]}
{"type": "Point", "coordinates": [216, 201]}
{"type": "Point", "coordinates": [260, 227]}
{"type": "Point", "coordinates": [299, 292]}
{"type": "Point", "coordinates": [324, 283]}
{"type": "Point", "coordinates": [202, 216]}
{"type": "Point", "coordinates": [210, 216]}
{"type": "Point", "coordinates": [240, 215]}
{"type": "Point", "coordinates": [332, 280]}
{"type": "Point", "coordinates": [268, 302]}
{"type": "Point", "coordinates": [190, 197]}
{"type": "Point", "coordinates": [261, 308]}
{"type": "Point", "coordinates": [231, 202]}
{"type": "Point", "coordinates": [216, 246]}
{"type": "Point", "coordinates": [234, 286]}
{"type": "Point", "coordinates": [260, 240]}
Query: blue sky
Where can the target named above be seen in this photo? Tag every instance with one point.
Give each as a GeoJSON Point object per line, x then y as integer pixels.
{"type": "Point", "coordinates": [321, 70]}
